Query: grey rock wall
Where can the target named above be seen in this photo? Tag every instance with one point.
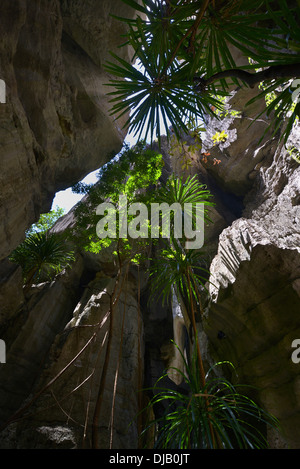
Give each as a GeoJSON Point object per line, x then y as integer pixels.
{"type": "Point", "coordinates": [255, 297]}
{"type": "Point", "coordinates": [55, 126]}
{"type": "Point", "coordinates": [69, 350]}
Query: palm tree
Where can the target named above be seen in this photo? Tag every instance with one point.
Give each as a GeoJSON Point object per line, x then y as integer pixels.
{"type": "Point", "coordinates": [213, 414]}
{"type": "Point", "coordinates": [175, 268]}
{"type": "Point", "coordinates": [179, 268]}
{"type": "Point", "coordinates": [42, 255]}
{"type": "Point", "coordinates": [231, 421]}
{"type": "Point", "coordinates": [184, 50]}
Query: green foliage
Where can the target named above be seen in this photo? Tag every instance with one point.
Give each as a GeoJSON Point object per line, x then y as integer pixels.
{"type": "Point", "coordinates": [225, 111]}
{"type": "Point", "coordinates": [183, 50]}
{"type": "Point", "coordinates": [162, 88]}
{"type": "Point", "coordinates": [177, 268]}
{"type": "Point", "coordinates": [184, 191]}
{"type": "Point", "coordinates": [174, 263]}
{"type": "Point", "coordinates": [212, 413]}
{"type": "Point", "coordinates": [172, 267]}
{"type": "Point", "coordinates": [216, 416]}
{"type": "Point", "coordinates": [194, 131]}
{"type": "Point", "coordinates": [279, 106]}
{"type": "Point", "coordinates": [42, 255]}
{"type": "Point", "coordinates": [135, 170]}
{"type": "Point", "coordinates": [46, 221]}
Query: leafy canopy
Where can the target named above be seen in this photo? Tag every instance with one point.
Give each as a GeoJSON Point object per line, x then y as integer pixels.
{"type": "Point", "coordinates": [46, 220]}
{"type": "Point", "coordinates": [136, 173]}
{"type": "Point", "coordinates": [184, 51]}
{"type": "Point", "coordinates": [134, 170]}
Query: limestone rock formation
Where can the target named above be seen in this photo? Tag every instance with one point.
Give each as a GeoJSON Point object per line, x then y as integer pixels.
{"type": "Point", "coordinates": [255, 297]}
{"type": "Point", "coordinates": [55, 125]}
{"type": "Point", "coordinates": [71, 331]}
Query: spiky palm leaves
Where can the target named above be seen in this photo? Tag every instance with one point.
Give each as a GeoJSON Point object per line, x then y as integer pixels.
{"type": "Point", "coordinates": [231, 421]}
{"type": "Point", "coordinates": [213, 413]}
{"type": "Point", "coordinates": [184, 49]}
{"type": "Point", "coordinates": [41, 256]}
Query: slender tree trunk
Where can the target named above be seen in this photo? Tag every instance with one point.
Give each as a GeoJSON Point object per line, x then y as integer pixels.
{"type": "Point", "coordinates": [95, 424]}
{"type": "Point", "coordinates": [201, 367]}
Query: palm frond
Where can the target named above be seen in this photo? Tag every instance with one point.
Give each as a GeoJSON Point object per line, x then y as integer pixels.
{"type": "Point", "coordinates": [42, 255]}
{"type": "Point", "coordinates": [236, 420]}
{"type": "Point", "coordinates": [173, 49]}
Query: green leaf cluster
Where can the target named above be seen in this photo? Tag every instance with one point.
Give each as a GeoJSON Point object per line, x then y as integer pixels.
{"type": "Point", "coordinates": [184, 51]}
{"type": "Point", "coordinates": [46, 220]}
{"type": "Point", "coordinates": [219, 137]}
{"type": "Point", "coordinates": [219, 415]}
{"type": "Point", "coordinates": [279, 106]}
{"type": "Point", "coordinates": [136, 174]}
{"type": "Point", "coordinates": [42, 255]}
{"type": "Point", "coordinates": [294, 153]}
{"type": "Point", "coordinates": [172, 267]}
{"type": "Point", "coordinates": [131, 173]}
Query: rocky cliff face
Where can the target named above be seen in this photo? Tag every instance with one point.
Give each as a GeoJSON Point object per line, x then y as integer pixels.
{"type": "Point", "coordinates": [254, 289]}
{"type": "Point", "coordinates": [55, 129]}
{"type": "Point", "coordinates": [55, 125]}
{"type": "Point", "coordinates": [77, 355]}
